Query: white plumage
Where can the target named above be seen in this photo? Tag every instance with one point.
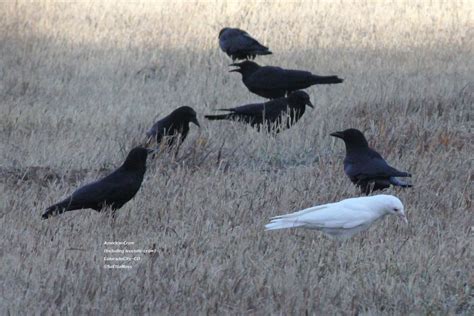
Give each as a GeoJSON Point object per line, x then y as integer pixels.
{"type": "Point", "coordinates": [342, 219]}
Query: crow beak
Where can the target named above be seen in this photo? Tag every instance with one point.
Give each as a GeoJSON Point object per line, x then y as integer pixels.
{"type": "Point", "coordinates": [404, 218]}
{"type": "Point", "coordinates": [338, 135]}
{"type": "Point", "coordinates": [310, 104]}
{"type": "Point", "coordinates": [235, 65]}
{"type": "Point", "coordinates": [150, 151]}
{"type": "Point", "coordinates": [195, 121]}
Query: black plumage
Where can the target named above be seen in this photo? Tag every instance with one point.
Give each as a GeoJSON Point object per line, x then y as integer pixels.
{"type": "Point", "coordinates": [174, 127]}
{"type": "Point", "coordinates": [112, 191]}
{"type": "Point", "coordinates": [271, 113]}
{"type": "Point", "coordinates": [274, 82]}
{"type": "Point", "coordinates": [365, 167]}
{"type": "Point", "coordinates": [238, 44]}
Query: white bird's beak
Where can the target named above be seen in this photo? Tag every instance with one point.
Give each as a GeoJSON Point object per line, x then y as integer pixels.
{"type": "Point", "coordinates": [404, 218]}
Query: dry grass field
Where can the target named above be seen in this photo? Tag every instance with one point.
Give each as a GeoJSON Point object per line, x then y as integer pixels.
{"type": "Point", "coordinates": [80, 83]}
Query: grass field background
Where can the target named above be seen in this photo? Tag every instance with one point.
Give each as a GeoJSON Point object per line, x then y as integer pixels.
{"type": "Point", "coordinates": [82, 82]}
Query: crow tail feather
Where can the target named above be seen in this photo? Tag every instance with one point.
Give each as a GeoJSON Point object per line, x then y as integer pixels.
{"type": "Point", "coordinates": [217, 117]}
{"type": "Point", "coordinates": [327, 80]}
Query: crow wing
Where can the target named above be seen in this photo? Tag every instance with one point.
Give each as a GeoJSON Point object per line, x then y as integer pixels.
{"type": "Point", "coordinates": [238, 42]}
{"type": "Point", "coordinates": [166, 127]}
{"type": "Point", "coordinates": [278, 78]}
{"type": "Point", "coordinates": [117, 189]}
{"type": "Point", "coordinates": [370, 166]}
{"type": "Point", "coordinates": [271, 110]}
{"type": "Point", "coordinates": [157, 129]}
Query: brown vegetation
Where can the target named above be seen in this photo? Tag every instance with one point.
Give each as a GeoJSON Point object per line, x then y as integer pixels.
{"type": "Point", "coordinates": [81, 83]}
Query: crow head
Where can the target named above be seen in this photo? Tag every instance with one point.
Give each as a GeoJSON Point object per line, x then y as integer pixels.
{"type": "Point", "coordinates": [299, 98]}
{"type": "Point", "coordinates": [352, 137]}
{"type": "Point", "coordinates": [222, 31]}
{"type": "Point", "coordinates": [392, 205]}
{"type": "Point", "coordinates": [245, 68]}
{"type": "Point", "coordinates": [185, 115]}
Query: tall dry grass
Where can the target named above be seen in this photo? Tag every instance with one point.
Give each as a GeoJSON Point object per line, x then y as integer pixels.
{"type": "Point", "coordinates": [81, 82]}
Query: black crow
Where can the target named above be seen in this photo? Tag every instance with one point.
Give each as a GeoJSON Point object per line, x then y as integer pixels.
{"type": "Point", "coordinates": [365, 167]}
{"type": "Point", "coordinates": [271, 113]}
{"type": "Point", "coordinates": [173, 125]}
{"type": "Point", "coordinates": [113, 191]}
{"type": "Point", "coordinates": [238, 44]}
{"type": "Point", "coordinates": [275, 82]}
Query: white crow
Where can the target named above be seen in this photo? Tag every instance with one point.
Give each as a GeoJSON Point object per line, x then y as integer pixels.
{"type": "Point", "coordinates": [342, 219]}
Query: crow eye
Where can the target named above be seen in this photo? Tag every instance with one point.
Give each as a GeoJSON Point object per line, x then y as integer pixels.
{"type": "Point", "coordinates": [395, 210]}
